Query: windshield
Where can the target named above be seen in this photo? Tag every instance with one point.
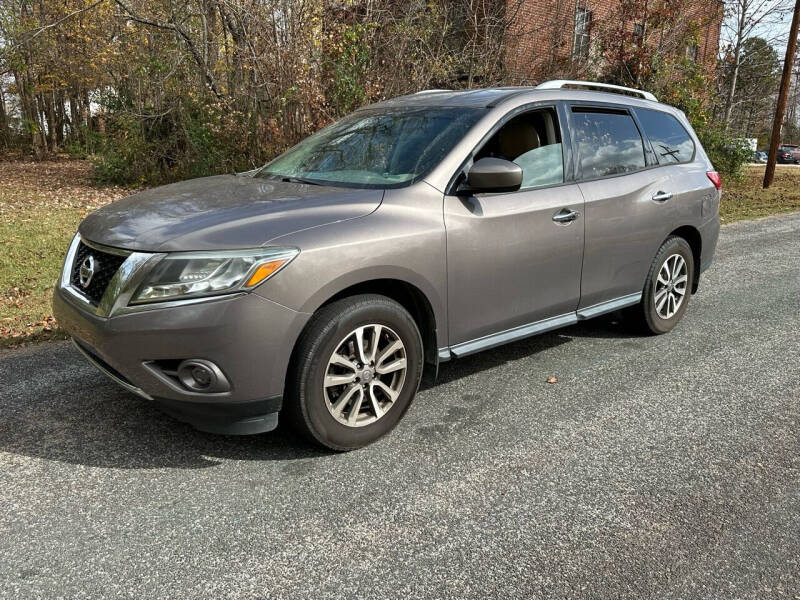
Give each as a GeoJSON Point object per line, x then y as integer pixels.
{"type": "Point", "coordinates": [375, 148]}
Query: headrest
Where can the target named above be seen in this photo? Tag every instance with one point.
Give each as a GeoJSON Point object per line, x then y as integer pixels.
{"type": "Point", "coordinates": [518, 139]}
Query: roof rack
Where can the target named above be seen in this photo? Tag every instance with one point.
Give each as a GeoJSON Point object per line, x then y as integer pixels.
{"type": "Point", "coordinates": [556, 84]}
{"type": "Point", "coordinates": [430, 91]}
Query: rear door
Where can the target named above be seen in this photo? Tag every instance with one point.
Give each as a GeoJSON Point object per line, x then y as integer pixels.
{"type": "Point", "coordinates": [694, 199]}
{"type": "Point", "coordinates": [628, 201]}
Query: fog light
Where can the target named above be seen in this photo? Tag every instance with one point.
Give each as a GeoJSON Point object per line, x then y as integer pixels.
{"type": "Point", "coordinates": [201, 375]}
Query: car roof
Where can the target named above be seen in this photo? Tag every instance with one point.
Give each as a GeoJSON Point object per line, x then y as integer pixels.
{"type": "Point", "coordinates": [473, 98]}
{"type": "Point", "coordinates": [491, 97]}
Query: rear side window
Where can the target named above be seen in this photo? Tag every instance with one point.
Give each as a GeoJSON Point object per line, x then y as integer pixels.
{"type": "Point", "coordinates": [670, 141]}
{"type": "Point", "coordinates": [607, 143]}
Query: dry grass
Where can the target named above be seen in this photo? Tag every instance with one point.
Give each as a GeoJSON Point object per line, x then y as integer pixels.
{"type": "Point", "coordinates": [747, 200]}
{"type": "Point", "coordinates": [41, 205]}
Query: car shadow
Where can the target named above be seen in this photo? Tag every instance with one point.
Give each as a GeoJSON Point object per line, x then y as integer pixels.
{"type": "Point", "coordinates": [56, 407]}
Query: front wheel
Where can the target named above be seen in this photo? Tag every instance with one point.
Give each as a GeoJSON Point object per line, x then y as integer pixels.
{"type": "Point", "coordinates": [356, 370]}
{"type": "Point", "coordinates": [668, 288]}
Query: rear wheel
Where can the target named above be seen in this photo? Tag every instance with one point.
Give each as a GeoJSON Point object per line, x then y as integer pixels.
{"type": "Point", "coordinates": [356, 370]}
{"type": "Point", "coordinates": [668, 288]}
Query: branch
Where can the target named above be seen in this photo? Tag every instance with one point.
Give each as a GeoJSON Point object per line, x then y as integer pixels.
{"type": "Point", "coordinates": [180, 33]}
{"type": "Point", "coordinates": [39, 30]}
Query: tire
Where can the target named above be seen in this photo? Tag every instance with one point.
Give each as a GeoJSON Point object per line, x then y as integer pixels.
{"type": "Point", "coordinates": [340, 416]}
{"type": "Point", "coordinates": [656, 314]}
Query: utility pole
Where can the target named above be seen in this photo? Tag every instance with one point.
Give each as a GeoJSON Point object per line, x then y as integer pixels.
{"type": "Point", "coordinates": [783, 95]}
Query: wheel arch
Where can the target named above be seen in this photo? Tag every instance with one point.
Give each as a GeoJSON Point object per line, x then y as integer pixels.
{"type": "Point", "coordinates": [695, 241]}
{"type": "Point", "coordinates": [410, 297]}
{"type": "Point", "coordinates": [419, 302]}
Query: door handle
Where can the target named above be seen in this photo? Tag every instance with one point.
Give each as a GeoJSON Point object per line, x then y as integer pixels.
{"type": "Point", "coordinates": [566, 216]}
{"type": "Point", "coordinates": [662, 196]}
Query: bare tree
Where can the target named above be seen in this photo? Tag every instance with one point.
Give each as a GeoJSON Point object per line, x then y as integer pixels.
{"type": "Point", "coordinates": [745, 19]}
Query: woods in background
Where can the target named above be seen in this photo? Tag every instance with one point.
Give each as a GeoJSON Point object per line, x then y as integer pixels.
{"type": "Point", "coordinates": [160, 90]}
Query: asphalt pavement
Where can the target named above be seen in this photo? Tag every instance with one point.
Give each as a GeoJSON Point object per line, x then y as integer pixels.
{"type": "Point", "coordinates": [657, 467]}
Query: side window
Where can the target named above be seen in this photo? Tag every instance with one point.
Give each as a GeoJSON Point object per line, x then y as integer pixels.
{"type": "Point", "coordinates": [607, 143]}
{"type": "Point", "coordinates": [533, 141]}
{"type": "Point", "coordinates": [670, 140]}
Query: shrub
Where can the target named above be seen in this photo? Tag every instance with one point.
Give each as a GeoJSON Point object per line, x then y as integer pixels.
{"type": "Point", "coordinates": [196, 140]}
{"type": "Point", "coordinates": [728, 155]}
{"type": "Point", "coordinates": [687, 89]}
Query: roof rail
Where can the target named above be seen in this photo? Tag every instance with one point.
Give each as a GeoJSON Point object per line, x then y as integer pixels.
{"type": "Point", "coordinates": [430, 91]}
{"type": "Point", "coordinates": [556, 84]}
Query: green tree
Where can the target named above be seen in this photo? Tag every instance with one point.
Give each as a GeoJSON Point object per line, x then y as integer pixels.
{"type": "Point", "coordinates": [753, 101]}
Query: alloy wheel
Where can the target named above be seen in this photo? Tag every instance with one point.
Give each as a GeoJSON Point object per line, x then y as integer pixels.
{"type": "Point", "coordinates": [670, 286]}
{"type": "Point", "coordinates": [365, 375]}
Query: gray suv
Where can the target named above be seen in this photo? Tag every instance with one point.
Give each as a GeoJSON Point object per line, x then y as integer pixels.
{"type": "Point", "coordinates": [411, 232]}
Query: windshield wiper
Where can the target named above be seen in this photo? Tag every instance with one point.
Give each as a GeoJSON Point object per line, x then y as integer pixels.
{"type": "Point", "coordinates": [289, 179]}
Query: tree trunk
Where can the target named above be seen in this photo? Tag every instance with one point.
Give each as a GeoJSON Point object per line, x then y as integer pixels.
{"type": "Point", "coordinates": [58, 109]}
{"type": "Point", "coordinates": [50, 116]}
{"type": "Point", "coordinates": [737, 62]}
{"type": "Point", "coordinates": [732, 90]}
{"type": "Point", "coordinates": [86, 110]}
{"type": "Point", "coordinates": [30, 116]}
{"type": "Point", "coordinates": [5, 133]}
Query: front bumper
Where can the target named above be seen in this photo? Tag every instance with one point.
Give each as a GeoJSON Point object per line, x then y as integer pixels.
{"type": "Point", "coordinates": [247, 336]}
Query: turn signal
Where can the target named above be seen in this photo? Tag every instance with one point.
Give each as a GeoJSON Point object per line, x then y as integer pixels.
{"type": "Point", "coordinates": [715, 179]}
{"type": "Point", "coordinates": [263, 271]}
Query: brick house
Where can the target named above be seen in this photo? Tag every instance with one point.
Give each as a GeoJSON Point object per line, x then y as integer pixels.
{"type": "Point", "coordinates": [550, 39]}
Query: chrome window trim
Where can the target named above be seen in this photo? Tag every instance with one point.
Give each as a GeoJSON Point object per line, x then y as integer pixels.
{"type": "Point", "coordinates": [605, 108]}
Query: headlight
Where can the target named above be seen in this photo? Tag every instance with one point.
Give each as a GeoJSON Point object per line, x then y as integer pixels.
{"type": "Point", "coordinates": [197, 274]}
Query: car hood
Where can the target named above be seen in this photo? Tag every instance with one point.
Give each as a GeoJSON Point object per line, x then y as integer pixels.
{"type": "Point", "coordinates": [222, 212]}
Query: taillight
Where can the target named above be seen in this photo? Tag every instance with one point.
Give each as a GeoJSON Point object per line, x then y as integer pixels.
{"type": "Point", "coordinates": [715, 179]}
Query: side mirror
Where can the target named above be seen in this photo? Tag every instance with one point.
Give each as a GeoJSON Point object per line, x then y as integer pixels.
{"type": "Point", "coordinates": [493, 175]}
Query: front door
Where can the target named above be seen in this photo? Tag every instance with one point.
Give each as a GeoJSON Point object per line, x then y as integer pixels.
{"type": "Point", "coordinates": [515, 258]}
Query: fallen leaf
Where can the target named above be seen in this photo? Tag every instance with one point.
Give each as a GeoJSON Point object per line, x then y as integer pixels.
{"type": "Point", "coordinates": [552, 379]}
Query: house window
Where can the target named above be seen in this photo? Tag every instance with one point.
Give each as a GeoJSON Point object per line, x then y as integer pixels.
{"type": "Point", "coordinates": [583, 21]}
{"type": "Point", "coordinates": [691, 52]}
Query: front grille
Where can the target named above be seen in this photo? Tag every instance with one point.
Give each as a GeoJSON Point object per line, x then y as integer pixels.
{"type": "Point", "coordinates": [105, 267]}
